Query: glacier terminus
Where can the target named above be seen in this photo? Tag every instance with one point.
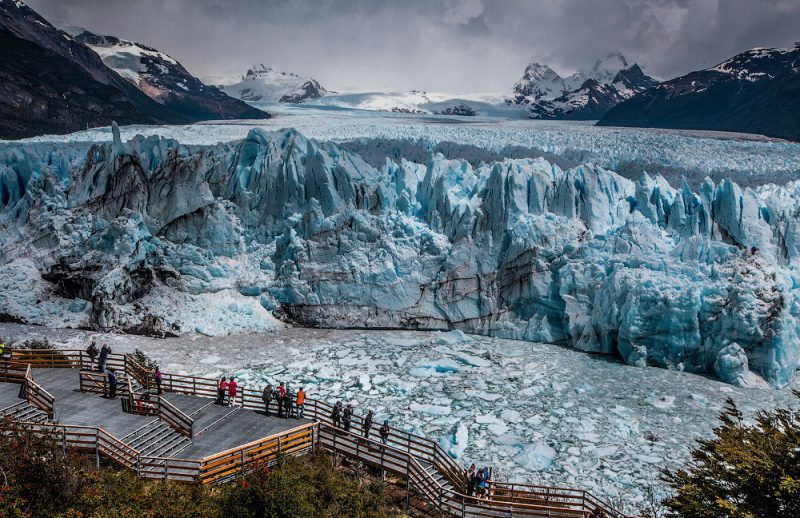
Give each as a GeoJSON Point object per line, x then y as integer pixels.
{"type": "Point", "coordinates": [154, 237]}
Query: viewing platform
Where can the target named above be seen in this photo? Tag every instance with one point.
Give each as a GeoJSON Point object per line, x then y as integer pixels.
{"type": "Point", "coordinates": [184, 435]}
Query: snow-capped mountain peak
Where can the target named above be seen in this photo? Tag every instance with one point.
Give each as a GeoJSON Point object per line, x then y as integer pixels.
{"type": "Point", "coordinates": [757, 63]}
{"type": "Point", "coordinates": [538, 82]}
{"type": "Point", "coordinates": [610, 65]}
{"type": "Point", "coordinates": [265, 84]}
{"type": "Point", "coordinates": [261, 71]}
{"type": "Point", "coordinates": [585, 94]}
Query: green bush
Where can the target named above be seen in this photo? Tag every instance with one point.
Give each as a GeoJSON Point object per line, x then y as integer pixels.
{"type": "Point", "coordinates": [744, 470]}
{"type": "Point", "coordinates": [304, 486]}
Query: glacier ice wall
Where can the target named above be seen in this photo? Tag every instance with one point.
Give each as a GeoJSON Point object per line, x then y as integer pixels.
{"type": "Point", "coordinates": [151, 236]}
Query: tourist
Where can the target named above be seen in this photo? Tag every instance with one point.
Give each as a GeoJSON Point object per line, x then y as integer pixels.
{"type": "Point", "coordinates": [480, 484]}
{"type": "Point", "coordinates": [92, 352]}
{"type": "Point", "coordinates": [336, 415]}
{"type": "Point", "coordinates": [266, 396]}
{"type": "Point", "coordinates": [470, 476]}
{"type": "Point", "coordinates": [159, 378]}
{"type": "Point", "coordinates": [2, 349]}
{"type": "Point", "coordinates": [287, 402]}
{"type": "Point", "coordinates": [232, 392]}
{"type": "Point", "coordinates": [367, 424]}
{"type": "Point", "coordinates": [112, 384]}
{"type": "Point", "coordinates": [301, 402]}
{"type": "Point", "coordinates": [347, 417]}
{"type": "Point", "coordinates": [222, 389]}
{"type": "Point", "coordinates": [281, 398]}
{"type": "Point", "coordinates": [104, 352]}
{"type": "Point", "coordinates": [384, 431]}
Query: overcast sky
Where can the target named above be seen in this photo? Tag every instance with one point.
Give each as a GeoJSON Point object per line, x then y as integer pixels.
{"type": "Point", "coordinates": [435, 45]}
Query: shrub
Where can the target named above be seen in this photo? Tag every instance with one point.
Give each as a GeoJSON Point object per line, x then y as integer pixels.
{"type": "Point", "coordinates": [143, 359]}
{"type": "Point", "coordinates": [301, 487]}
{"type": "Point", "coordinates": [744, 470]}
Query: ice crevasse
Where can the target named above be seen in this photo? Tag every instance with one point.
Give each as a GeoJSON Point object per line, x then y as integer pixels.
{"type": "Point", "coordinates": [151, 236]}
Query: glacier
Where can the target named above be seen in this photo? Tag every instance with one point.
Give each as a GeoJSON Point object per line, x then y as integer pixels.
{"type": "Point", "coordinates": [155, 237]}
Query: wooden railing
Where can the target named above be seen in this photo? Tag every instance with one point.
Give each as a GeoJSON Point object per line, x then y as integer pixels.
{"type": "Point", "coordinates": [164, 410]}
{"type": "Point", "coordinates": [407, 455]}
{"type": "Point", "coordinates": [37, 396]}
{"type": "Point", "coordinates": [405, 447]}
{"type": "Point", "coordinates": [65, 358]}
{"type": "Point", "coordinates": [12, 372]}
{"type": "Point", "coordinates": [264, 451]}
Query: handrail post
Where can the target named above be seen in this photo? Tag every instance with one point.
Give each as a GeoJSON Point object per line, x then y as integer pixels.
{"type": "Point", "coordinates": [383, 470]}
{"type": "Point", "coordinates": [408, 474]}
{"type": "Point", "coordinates": [97, 448]}
{"type": "Point", "coordinates": [358, 458]}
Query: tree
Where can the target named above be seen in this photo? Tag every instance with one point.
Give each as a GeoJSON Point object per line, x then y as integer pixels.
{"type": "Point", "coordinates": [744, 471]}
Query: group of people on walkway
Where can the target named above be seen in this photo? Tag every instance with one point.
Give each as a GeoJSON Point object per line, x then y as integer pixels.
{"type": "Point", "coordinates": [343, 418]}
{"type": "Point", "coordinates": [227, 390]}
{"type": "Point", "coordinates": [477, 481]}
{"type": "Point", "coordinates": [288, 403]}
{"type": "Point", "coordinates": [101, 356]}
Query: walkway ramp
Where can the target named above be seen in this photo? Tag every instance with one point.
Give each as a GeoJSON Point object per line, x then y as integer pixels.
{"type": "Point", "coordinates": [183, 435]}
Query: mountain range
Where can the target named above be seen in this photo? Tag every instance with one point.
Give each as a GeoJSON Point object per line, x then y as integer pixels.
{"type": "Point", "coordinates": [54, 82]}
{"type": "Point", "coordinates": [757, 91]}
{"type": "Point", "coordinates": [584, 95]}
{"type": "Point", "coordinates": [262, 84]}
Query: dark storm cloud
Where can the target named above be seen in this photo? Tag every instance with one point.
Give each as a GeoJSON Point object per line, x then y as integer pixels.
{"type": "Point", "coordinates": [444, 45]}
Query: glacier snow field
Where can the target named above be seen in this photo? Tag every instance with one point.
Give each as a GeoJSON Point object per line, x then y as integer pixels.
{"type": "Point", "coordinates": [535, 412]}
{"type": "Point", "coordinates": [746, 159]}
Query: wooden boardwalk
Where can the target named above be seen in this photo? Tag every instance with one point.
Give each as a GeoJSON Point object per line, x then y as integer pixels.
{"type": "Point", "coordinates": [184, 435]}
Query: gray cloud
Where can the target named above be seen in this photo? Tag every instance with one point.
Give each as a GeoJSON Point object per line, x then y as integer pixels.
{"type": "Point", "coordinates": [436, 45]}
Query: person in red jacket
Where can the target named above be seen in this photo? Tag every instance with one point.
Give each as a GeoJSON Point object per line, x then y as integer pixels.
{"type": "Point", "coordinates": [222, 388]}
{"type": "Point", "coordinates": [281, 399]}
{"type": "Point", "coordinates": [231, 391]}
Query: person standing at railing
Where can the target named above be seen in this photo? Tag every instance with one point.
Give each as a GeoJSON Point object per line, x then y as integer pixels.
{"type": "Point", "coordinates": [336, 414]}
{"type": "Point", "coordinates": [266, 397]}
{"type": "Point", "coordinates": [367, 424]}
{"type": "Point", "coordinates": [301, 402]}
{"type": "Point", "coordinates": [104, 352]}
{"type": "Point", "coordinates": [471, 477]}
{"type": "Point", "coordinates": [222, 389]}
{"type": "Point", "coordinates": [2, 349]}
{"type": "Point", "coordinates": [347, 417]}
{"type": "Point", "coordinates": [287, 402]}
{"type": "Point", "coordinates": [232, 386]}
{"type": "Point", "coordinates": [384, 431]}
{"type": "Point", "coordinates": [92, 353]}
{"type": "Point", "coordinates": [281, 398]}
{"type": "Point", "coordinates": [112, 384]}
{"type": "Point", "coordinates": [159, 378]}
